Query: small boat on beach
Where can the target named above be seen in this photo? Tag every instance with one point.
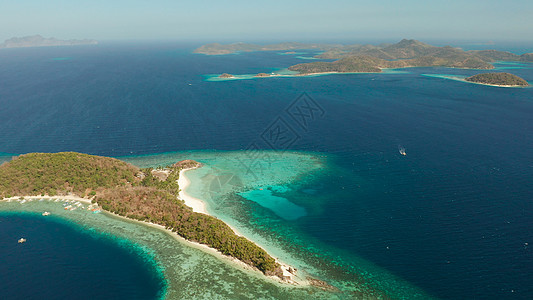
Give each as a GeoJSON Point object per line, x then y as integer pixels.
{"type": "Point", "coordinates": [46, 213]}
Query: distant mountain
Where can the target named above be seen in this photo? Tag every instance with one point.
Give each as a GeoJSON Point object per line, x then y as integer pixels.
{"type": "Point", "coordinates": [527, 57]}
{"type": "Point", "coordinates": [406, 53]}
{"type": "Point", "coordinates": [374, 58]}
{"type": "Point", "coordinates": [495, 55]}
{"type": "Point", "coordinates": [221, 49]}
{"type": "Point", "coordinates": [348, 64]}
{"type": "Point", "coordinates": [409, 49]}
{"type": "Point", "coordinates": [39, 41]}
{"type": "Point", "coordinates": [404, 49]}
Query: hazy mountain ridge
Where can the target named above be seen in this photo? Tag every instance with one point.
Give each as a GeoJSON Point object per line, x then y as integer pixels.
{"type": "Point", "coordinates": [39, 41]}
{"type": "Point", "coordinates": [373, 58]}
{"type": "Point", "coordinates": [221, 49]}
{"type": "Point", "coordinates": [406, 53]}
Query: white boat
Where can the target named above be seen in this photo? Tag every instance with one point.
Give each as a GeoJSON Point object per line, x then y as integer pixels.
{"type": "Point", "coordinates": [402, 150]}
{"type": "Point", "coordinates": [22, 240]}
{"type": "Point", "coordinates": [46, 213]}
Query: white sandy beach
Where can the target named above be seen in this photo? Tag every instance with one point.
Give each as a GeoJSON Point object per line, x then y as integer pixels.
{"type": "Point", "coordinates": [196, 204]}
{"type": "Point", "coordinates": [199, 206]}
{"type": "Point", "coordinates": [69, 197]}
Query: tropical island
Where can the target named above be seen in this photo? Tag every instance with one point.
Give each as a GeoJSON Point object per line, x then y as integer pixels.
{"type": "Point", "coordinates": [262, 75]}
{"type": "Point", "coordinates": [226, 75]}
{"type": "Point", "coordinates": [221, 49]}
{"type": "Point", "coordinates": [141, 194]}
{"type": "Point", "coordinates": [39, 41]}
{"type": "Point", "coordinates": [375, 58]}
{"type": "Point", "coordinates": [498, 79]}
{"type": "Point", "coordinates": [405, 54]}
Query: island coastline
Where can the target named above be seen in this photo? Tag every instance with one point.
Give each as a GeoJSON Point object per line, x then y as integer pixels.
{"type": "Point", "coordinates": [286, 274]}
{"type": "Point", "coordinates": [196, 204]}
{"type": "Point", "coordinates": [288, 277]}
{"type": "Point", "coordinates": [463, 79]}
{"type": "Point", "coordinates": [353, 59]}
{"type": "Point", "coordinates": [199, 206]}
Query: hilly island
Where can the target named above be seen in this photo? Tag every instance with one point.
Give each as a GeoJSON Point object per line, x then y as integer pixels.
{"type": "Point", "coordinates": [39, 41]}
{"type": "Point", "coordinates": [375, 58]}
{"type": "Point", "coordinates": [498, 79]}
{"type": "Point", "coordinates": [120, 188]}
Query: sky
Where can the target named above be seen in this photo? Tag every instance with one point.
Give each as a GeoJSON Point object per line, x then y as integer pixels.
{"type": "Point", "coordinates": [239, 20]}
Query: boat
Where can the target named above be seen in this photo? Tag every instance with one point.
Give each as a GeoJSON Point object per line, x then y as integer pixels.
{"type": "Point", "coordinates": [46, 213]}
{"type": "Point", "coordinates": [402, 150]}
{"type": "Point", "coordinates": [22, 240]}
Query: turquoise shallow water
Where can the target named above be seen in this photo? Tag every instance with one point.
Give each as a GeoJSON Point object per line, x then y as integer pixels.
{"type": "Point", "coordinates": [264, 204]}
{"type": "Point", "coordinates": [282, 207]}
{"type": "Point", "coordinates": [451, 218]}
{"type": "Point", "coordinates": [190, 272]}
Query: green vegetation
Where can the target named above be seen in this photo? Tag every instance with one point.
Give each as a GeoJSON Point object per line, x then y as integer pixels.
{"type": "Point", "coordinates": [505, 79]}
{"type": "Point", "coordinates": [141, 194]}
{"type": "Point", "coordinates": [407, 53]}
{"type": "Point", "coordinates": [63, 173]}
{"type": "Point", "coordinates": [262, 75]}
{"type": "Point", "coordinates": [495, 55]}
{"type": "Point", "coordinates": [373, 58]}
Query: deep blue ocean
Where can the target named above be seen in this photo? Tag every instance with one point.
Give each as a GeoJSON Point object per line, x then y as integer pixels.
{"type": "Point", "coordinates": [453, 217]}
{"type": "Point", "coordinates": [61, 261]}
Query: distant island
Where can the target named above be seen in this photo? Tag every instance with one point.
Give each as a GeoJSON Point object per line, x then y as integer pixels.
{"type": "Point", "coordinates": [226, 75]}
{"type": "Point", "coordinates": [221, 49]}
{"type": "Point", "coordinates": [406, 53]}
{"type": "Point", "coordinates": [498, 79]}
{"type": "Point", "coordinates": [262, 75]}
{"type": "Point", "coordinates": [123, 189]}
{"type": "Point", "coordinates": [374, 58]}
{"type": "Point", "coordinates": [39, 41]}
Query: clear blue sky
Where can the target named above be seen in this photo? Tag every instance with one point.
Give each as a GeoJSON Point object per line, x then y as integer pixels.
{"type": "Point", "coordinates": [268, 19]}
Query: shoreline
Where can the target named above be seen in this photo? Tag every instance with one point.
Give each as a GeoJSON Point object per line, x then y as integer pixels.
{"type": "Point", "coordinates": [196, 204]}
{"type": "Point", "coordinates": [214, 252]}
{"type": "Point", "coordinates": [460, 79]}
{"type": "Point", "coordinates": [46, 197]}
{"type": "Point", "coordinates": [497, 85]}
{"type": "Point", "coordinates": [292, 278]}
{"type": "Point", "coordinates": [315, 74]}
{"type": "Point", "coordinates": [200, 207]}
